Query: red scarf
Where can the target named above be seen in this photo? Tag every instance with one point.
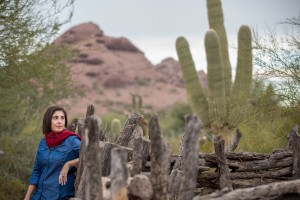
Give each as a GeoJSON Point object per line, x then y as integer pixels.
{"type": "Point", "coordinates": [56, 138]}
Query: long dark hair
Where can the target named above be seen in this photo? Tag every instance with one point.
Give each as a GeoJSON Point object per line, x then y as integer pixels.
{"type": "Point", "coordinates": [48, 116]}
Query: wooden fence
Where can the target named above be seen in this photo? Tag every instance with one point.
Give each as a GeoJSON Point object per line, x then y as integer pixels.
{"type": "Point", "coordinates": [135, 167]}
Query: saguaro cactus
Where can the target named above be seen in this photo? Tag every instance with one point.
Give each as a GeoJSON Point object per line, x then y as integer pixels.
{"type": "Point", "coordinates": [221, 94]}
{"type": "Point", "coordinates": [216, 80]}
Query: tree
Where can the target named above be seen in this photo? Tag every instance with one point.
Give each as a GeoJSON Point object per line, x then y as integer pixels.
{"type": "Point", "coordinates": [279, 60]}
{"type": "Point", "coordinates": [32, 71]}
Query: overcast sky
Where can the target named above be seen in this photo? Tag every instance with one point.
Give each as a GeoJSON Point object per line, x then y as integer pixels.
{"type": "Point", "coordinates": [154, 25]}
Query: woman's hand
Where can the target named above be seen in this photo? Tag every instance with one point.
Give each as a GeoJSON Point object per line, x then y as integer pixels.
{"type": "Point", "coordinates": [62, 179]}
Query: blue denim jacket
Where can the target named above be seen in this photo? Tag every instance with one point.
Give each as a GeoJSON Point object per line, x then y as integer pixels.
{"type": "Point", "coordinates": [48, 164]}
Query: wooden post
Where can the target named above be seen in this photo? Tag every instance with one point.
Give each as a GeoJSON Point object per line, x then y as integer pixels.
{"type": "Point", "coordinates": [235, 141]}
{"type": "Point", "coordinates": [224, 180]}
{"type": "Point", "coordinates": [118, 174]}
{"type": "Point", "coordinates": [137, 152]}
{"type": "Point", "coordinates": [160, 164]}
{"type": "Point", "coordinates": [289, 137]}
{"type": "Point", "coordinates": [296, 154]}
{"type": "Point", "coordinates": [145, 152]}
{"type": "Point", "coordinates": [92, 160]}
{"type": "Point", "coordinates": [190, 157]}
{"type": "Point", "coordinates": [175, 175]}
{"type": "Point", "coordinates": [90, 111]}
{"type": "Point", "coordinates": [79, 182]}
{"type": "Point", "coordinates": [129, 127]}
{"type": "Point", "coordinates": [72, 126]}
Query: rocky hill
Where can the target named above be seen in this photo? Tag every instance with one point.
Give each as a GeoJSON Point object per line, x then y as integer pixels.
{"type": "Point", "coordinates": [107, 70]}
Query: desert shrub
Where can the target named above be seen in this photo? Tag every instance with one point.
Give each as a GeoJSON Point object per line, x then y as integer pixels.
{"type": "Point", "coordinates": [11, 188]}
{"type": "Point", "coordinates": [83, 55]}
{"type": "Point", "coordinates": [116, 81]}
{"type": "Point", "coordinates": [142, 81]}
{"type": "Point", "coordinates": [122, 44]}
{"type": "Point", "coordinates": [91, 74]}
{"type": "Point", "coordinates": [93, 61]}
{"type": "Point", "coordinates": [100, 41]}
{"type": "Point", "coordinates": [107, 119]}
{"type": "Point", "coordinates": [17, 162]}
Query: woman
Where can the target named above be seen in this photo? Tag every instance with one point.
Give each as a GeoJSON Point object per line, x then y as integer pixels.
{"type": "Point", "coordinates": [53, 174]}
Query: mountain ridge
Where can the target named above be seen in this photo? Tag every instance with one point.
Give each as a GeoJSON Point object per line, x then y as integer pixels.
{"type": "Point", "coordinates": [107, 70]}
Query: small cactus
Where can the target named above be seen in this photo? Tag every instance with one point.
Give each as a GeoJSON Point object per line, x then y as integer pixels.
{"type": "Point", "coordinates": [115, 129]}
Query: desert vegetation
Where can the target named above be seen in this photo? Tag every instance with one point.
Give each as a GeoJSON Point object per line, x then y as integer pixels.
{"type": "Point", "coordinates": [263, 104]}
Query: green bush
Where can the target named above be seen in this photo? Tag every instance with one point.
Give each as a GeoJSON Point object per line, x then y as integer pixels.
{"type": "Point", "coordinates": [17, 162]}
{"type": "Point", "coordinates": [12, 188]}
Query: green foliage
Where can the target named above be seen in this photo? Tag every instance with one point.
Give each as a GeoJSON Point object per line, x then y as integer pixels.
{"type": "Point", "coordinates": [108, 118]}
{"type": "Point", "coordinates": [17, 162]}
{"type": "Point", "coordinates": [278, 57]}
{"type": "Point", "coordinates": [11, 188]}
{"type": "Point", "coordinates": [31, 70]}
{"type": "Point", "coordinates": [172, 123]}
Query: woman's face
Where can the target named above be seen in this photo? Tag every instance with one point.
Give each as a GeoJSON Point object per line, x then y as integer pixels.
{"type": "Point", "coordinates": [58, 121]}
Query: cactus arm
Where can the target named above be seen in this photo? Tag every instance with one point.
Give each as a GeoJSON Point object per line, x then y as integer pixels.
{"type": "Point", "coordinates": [196, 95]}
{"type": "Point", "coordinates": [243, 77]}
{"type": "Point", "coordinates": [216, 22]}
{"type": "Point", "coordinates": [215, 76]}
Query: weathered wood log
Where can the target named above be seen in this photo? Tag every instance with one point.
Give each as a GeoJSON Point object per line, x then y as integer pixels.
{"type": "Point", "coordinates": [106, 148]}
{"type": "Point", "coordinates": [79, 180]}
{"type": "Point", "coordinates": [80, 127]}
{"type": "Point", "coordinates": [289, 137]}
{"type": "Point", "coordinates": [160, 154]}
{"type": "Point", "coordinates": [241, 156]}
{"type": "Point", "coordinates": [79, 171]}
{"type": "Point", "coordinates": [145, 152]}
{"type": "Point", "coordinates": [73, 125]}
{"type": "Point", "coordinates": [240, 183]}
{"type": "Point", "coordinates": [137, 152]}
{"type": "Point", "coordinates": [277, 155]}
{"type": "Point", "coordinates": [266, 191]}
{"type": "Point", "coordinates": [129, 127]}
{"type": "Point", "coordinates": [296, 154]}
{"type": "Point", "coordinates": [118, 174]}
{"type": "Point", "coordinates": [242, 161]}
{"type": "Point", "coordinates": [140, 188]}
{"type": "Point", "coordinates": [235, 141]}
{"type": "Point", "coordinates": [92, 160]}
{"type": "Point", "coordinates": [175, 175]}
{"type": "Point", "coordinates": [260, 164]}
{"type": "Point", "coordinates": [223, 170]}
{"type": "Point", "coordinates": [190, 157]}
{"type": "Point", "coordinates": [276, 174]}
{"type": "Point", "coordinates": [174, 183]}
